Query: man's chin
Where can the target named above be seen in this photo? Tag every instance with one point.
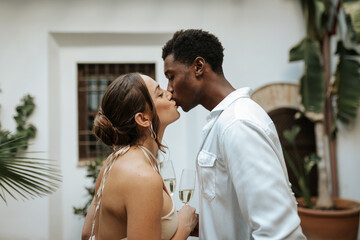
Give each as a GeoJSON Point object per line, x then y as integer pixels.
{"type": "Point", "coordinates": [185, 109]}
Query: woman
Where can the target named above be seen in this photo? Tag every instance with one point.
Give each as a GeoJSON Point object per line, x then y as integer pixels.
{"type": "Point", "coordinates": [131, 200]}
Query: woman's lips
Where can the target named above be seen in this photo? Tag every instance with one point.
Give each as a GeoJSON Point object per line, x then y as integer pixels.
{"type": "Point", "coordinates": [174, 102]}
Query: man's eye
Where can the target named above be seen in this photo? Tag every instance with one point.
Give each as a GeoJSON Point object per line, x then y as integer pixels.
{"type": "Point", "coordinates": [161, 94]}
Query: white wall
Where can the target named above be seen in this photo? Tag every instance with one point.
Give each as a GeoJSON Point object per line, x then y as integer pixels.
{"type": "Point", "coordinates": [41, 42]}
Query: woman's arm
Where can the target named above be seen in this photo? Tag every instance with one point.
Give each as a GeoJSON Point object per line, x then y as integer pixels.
{"type": "Point", "coordinates": [143, 203]}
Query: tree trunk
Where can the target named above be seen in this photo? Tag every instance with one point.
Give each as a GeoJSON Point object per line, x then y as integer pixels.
{"type": "Point", "coordinates": [328, 114]}
{"type": "Point", "coordinates": [324, 199]}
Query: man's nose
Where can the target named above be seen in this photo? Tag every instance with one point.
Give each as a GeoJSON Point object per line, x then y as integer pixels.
{"type": "Point", "coordinates": [170, 88]}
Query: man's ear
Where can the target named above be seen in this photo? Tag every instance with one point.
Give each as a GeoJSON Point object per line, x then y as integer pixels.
{"type": "Point", "coordinates": [143, 119]}
{"type": "Point", "coordinates": [199, 66]}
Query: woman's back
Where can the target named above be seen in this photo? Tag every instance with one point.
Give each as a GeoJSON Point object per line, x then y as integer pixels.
{"type": "Point", "coordinates": [130, 195]}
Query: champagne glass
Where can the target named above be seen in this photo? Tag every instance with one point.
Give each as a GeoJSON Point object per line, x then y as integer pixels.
{"type": "Point", "coordinates": [168, 174]}
{"type": "Point", "coordinates": [187, 185]}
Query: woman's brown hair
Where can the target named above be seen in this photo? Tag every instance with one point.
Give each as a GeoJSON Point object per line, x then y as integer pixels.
{"type": "Point", "coordinates": [115, 123]}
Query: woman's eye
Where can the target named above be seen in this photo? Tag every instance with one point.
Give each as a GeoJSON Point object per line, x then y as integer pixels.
{"type": "Point", "coordinates": [161, 94]}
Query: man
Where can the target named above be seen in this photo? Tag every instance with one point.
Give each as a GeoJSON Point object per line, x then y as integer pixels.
{"type": "Point", "coordinates": [244, 187]}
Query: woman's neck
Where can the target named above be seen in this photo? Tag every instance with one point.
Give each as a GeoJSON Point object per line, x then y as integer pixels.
{"type": "Point", "coordinates": [161, 133]}
{"type": "Point", "coordinates": [150, 144]}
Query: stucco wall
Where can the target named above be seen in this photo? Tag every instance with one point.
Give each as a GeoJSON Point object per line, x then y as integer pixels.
{"type": "Point", "coordinates": [41, 42]}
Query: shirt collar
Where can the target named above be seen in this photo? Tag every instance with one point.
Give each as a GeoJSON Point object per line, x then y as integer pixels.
{"type": "Point", "coordinates": [239, 93]}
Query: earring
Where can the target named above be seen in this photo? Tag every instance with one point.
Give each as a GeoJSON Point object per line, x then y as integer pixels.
{"type": "Point", "coordinates": [152, 132]}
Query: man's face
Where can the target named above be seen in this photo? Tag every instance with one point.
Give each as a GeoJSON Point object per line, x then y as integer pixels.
{"type": "Point", "coordinates": [182, 83]}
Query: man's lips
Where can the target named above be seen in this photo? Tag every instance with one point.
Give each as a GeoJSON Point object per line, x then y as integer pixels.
{"type": "Point", "coordinates": [172, 99]}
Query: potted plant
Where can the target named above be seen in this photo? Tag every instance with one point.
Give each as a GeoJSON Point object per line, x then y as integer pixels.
{"type": "Point", "coordinates": [325, 102]}
{"type": "Point", "coordinates": [339, 221]}
{"type": "Point", "coordinates": [23, 176]}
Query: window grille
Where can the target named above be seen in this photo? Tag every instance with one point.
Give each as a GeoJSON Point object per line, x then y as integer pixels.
{"type": "Point", "coordinates": [92, 82]}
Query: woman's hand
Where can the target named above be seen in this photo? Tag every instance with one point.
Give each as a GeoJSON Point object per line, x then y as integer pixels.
{"type": "Point", "coordinates": [188, 220]}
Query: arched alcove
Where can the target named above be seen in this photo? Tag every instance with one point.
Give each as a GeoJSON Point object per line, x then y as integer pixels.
{"type": "Point", "coordinates": [281, 102]}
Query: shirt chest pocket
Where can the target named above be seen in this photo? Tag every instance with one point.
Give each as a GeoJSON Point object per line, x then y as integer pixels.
{"type": "Point", "coordinates": [207, 174]}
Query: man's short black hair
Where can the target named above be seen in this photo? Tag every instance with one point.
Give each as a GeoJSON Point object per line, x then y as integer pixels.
{"type": "Point", "coordinates": [186, 45]}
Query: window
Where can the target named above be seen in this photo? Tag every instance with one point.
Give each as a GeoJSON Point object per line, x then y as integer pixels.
{"type": "Point", "coordinates": [92, 82]}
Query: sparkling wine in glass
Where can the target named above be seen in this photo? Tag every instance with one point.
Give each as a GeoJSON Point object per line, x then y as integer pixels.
{"type": "Point", "coordinates": [187, 185]}
{"type": "Point", "coordinates": [168, 174]}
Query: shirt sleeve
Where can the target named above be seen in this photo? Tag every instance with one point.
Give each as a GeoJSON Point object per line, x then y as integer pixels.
{"type": "Point", "coordinates": [262, 188]}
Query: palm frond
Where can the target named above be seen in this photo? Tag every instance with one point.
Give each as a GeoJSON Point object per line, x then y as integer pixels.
{"type": "Point", "coordinates": [312, 82]}
{"type": "Point", "coordinates": [347, 84]}
{"type": "Point", "coordinates": [23, 177]}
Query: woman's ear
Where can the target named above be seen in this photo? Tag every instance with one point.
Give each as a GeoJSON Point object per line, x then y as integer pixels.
{"type": "Point", "coordinates": [143, 119]}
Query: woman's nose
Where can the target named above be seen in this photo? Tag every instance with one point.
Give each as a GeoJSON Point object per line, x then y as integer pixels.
{"type": "Point", "coordinates": [168, 95]}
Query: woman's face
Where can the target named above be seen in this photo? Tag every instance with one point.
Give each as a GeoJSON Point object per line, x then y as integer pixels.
{"type": "Point", "coordinates": [165, 107]}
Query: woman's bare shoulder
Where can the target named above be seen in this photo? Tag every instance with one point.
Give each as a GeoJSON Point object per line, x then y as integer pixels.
{"type": "Point", "coordinates": [133, 171]}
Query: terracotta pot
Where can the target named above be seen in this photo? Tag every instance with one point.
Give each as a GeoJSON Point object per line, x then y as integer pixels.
{"type": "Point", "coordinates": [331, 224]}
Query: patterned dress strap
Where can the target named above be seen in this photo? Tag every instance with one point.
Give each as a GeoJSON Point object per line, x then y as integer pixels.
{"type": "Point", "coordinates": [109, 164]}
{"type": "Point", "coordinates": [154, 162]}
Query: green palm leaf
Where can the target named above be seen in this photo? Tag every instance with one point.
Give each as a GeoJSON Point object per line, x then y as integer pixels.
{"type": "Point", "coordinates": [24, 177]}
{"type": "Point", "coordinates": [347, 84]}
{"type": "Point", "coordinates": [312, 82]}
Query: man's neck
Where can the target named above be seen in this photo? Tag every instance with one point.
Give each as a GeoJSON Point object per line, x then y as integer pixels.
{"type": "Point", "coordinates": [214, 91]}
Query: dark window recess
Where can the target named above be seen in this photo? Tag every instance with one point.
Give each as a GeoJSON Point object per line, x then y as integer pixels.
{"type": "Point", "coordinates": [92, 82]}
{"type": "Point", "coordinates": [284, 119]}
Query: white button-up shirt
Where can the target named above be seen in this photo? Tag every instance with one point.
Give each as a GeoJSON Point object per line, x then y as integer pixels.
{"type": "Point", "coordinates": [244, 188]}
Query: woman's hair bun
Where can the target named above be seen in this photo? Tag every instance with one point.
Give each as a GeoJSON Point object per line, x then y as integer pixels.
{"type": "Point", "coordinates": [105, 130]}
